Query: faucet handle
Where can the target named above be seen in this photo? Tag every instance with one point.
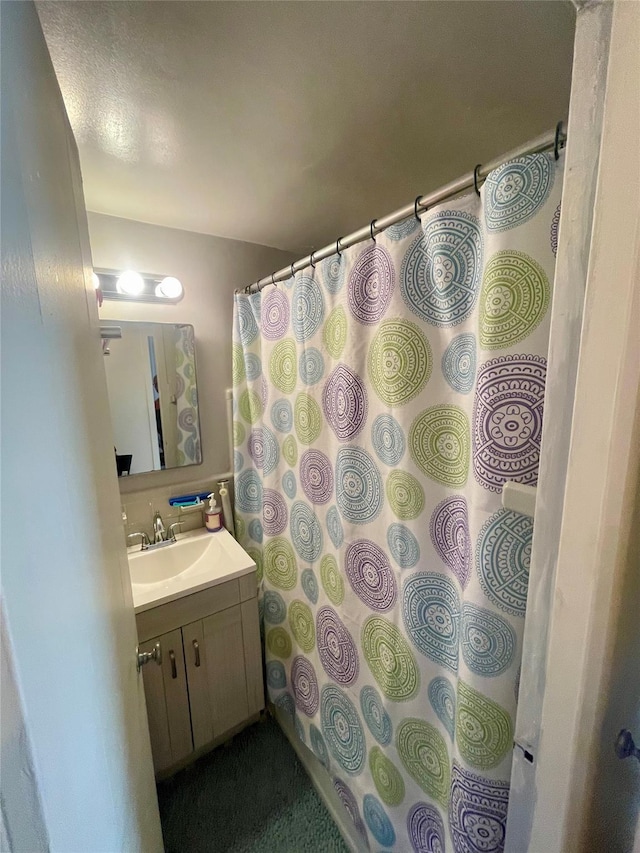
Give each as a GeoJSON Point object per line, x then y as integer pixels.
{"type": "Point", "coordinates": [144, 539]}
{"type": "Point", "coordinates": [171, 533]}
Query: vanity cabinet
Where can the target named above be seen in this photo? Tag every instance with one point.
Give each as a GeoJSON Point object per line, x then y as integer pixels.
{"type": "Point", "coordinates": [209, 684]}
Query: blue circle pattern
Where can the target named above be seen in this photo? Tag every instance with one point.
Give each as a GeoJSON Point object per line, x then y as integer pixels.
{"type": "Point", "coordinates": [459, 363]}
{"type": "Point", "coordinates": [333, 270]}
{"type": "Point", "coordinates": [503, 558]}
{"type": "Point", "coordinates": [286, 703]}
{"type": "Point", "coordinates": [247, 321]}
{"type": "Point", "coordinates": [238, 461]}
{"type": "Point", "coordinates": [388, 439]}
{"type": "Point", "coordinates": [359, 491]}
{"type": "Point", "coordinates": [431, 613]}
{"type": "Point", "coordinates": [308, 308]}
{"type": "Point", "coordinates": [289, 484]}
{"type": "Point", "coordinates": [253, 366]}
{"type": "Point", "coordinates": [334, 526]}
{"type": "Point", "coordinates": [310, 585]}
{"type": "Point", "coordinates": [311, 366]}
{"type": "Point", "coordinates": [306, 533]}
{"type": "Point", "coordinates": [378, 821]}
{"type": "Point", "coordinates": [248, 491]}
{"type": "Point", "coordinates": [282, 416]}
{"type": "Point", "coordinates": [515, 191]}
{"type": "Point", "coordinates": [275, 609]}
{"type": "Point", "coordinates": [403, 545]}
{"type": "Point", "coordinates": [270, 450]}
{"type": "Point", "coordinates": [300, 729]}
{"type": "Point", "coordinates": [342, 729]}
{"type": "Point", "coordinates": [487, 641]}
{"type": "Point", "coordinates": [318, 746]}
{"type": "Point", "coordinates": [402, 229]}
{"type": "Point", "coordinates": [375, 716]}
{"type": "Point", "coordinates": [442, 696]}
{"type": "Point", "coordinates": [440, 278]}
{"type": "Point", "coordinates": [276, 675]}
{"type": "Point", "coordinates": [255, 530]}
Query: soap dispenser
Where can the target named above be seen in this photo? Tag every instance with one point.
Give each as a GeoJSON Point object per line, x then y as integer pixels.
{"type": "Point", "coordinates": [213, 516]}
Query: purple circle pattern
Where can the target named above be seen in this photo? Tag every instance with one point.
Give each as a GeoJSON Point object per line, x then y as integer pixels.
{"type": "Point", "coordinates": [255, 446]}
{"type": "Point", "coordinates": [275, 315]}
{"type": "Point", "coordinates": [555, 227]}
{"type": "Point", "coordinates": [370, 575]}
{"type": "Point", "coordinates": [451, 538]}
{"type": "Point", "coordinates": [371, 285]}
{"type": "Point", "coordinates": [426, 829]}
{"type": "Point", "coordinates": [316, 476]}
{"type": "Point", "coordinates": [305, 686]}
{"type": "Point", "coordinates": [336, 648]}
{"type": "Point", "coordinates": [351, 806]}
{"type": "Point", "coordinates": [507, 420]}
{"type": "Point", "coordinates": [477, 812]}
{"type": "Point", "coordinates": [344, 402]}
{"type": "Point", "coordinates": [274, 512]}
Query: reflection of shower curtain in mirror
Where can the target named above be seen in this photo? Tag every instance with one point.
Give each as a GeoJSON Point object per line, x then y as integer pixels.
{"type": "Point", "coordinates": [380, 402]}
{"type": "Point", "coordinates": [186, 398]}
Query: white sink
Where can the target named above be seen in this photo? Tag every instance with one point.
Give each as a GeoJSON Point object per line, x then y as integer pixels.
{"type": "Point", "coordinates": [195, 561]}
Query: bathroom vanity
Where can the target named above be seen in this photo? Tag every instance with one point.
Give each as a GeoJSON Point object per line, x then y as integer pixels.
{"type": "Point", "coordinates": [197, 612]}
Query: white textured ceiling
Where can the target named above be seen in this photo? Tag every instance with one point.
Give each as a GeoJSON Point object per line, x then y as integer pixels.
{"type": "Point", "coordinates": [290, 123]}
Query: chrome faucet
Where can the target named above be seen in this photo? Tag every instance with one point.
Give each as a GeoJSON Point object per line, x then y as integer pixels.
{"type": "Point", "coordinates": [144, 539]}
{"type": "Point", "coordinates": [159, 532]}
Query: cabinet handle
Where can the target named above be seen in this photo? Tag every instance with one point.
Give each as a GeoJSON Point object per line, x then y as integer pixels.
{"type": "Point", "coordinates": [196, 649]}
{"type": "Point", "coordinates": [172, 658]}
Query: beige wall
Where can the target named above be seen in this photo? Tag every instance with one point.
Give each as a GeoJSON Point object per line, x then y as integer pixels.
{"type": "Point", "coordinates": [210, 269]}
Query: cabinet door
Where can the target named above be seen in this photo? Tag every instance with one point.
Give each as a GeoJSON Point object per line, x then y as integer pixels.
{"type": "Point", "coordinates": [167, 698]}
{"type": "Point", "coordinates": [214, 653]}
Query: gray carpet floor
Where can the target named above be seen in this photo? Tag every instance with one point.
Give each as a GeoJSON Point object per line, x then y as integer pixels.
{"type": "Point", "coordinates": [252, 796]}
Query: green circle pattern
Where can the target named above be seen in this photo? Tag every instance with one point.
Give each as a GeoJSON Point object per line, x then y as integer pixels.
{"type": "Point", "coordinates": [331, 578]}
{"type": "Point", "coordinates": [484, 730]}
{"type": "Point", "coordinates": [250, 406]}
{"type": "Point", "coordinates": [334, 333]}
{"type": "Point", "coordinates": [280, 564]}
{"type": "Point", "coordinates": [440, 444]}
{"type": "Point", "coordinates": [301, 624]}
{"type": "Point", "coordinates": [290, 450]}
{"type": "Point", "coordinates": [425, 757]}
{"type": "Point", "coordinates": [399, 362]}
{"type": "Point", "coordinates": [279, 643]}
{"type": "Point", "coordinates": [283, 368]}
{"type": "Point", "coordinates": [256, 556]}
{"type": "Point", "coordinates": [239, 433]}
{"type": "Point", "coordinates": [241, 528]}
{"type": "Point", "coordinates": [307, 419]}
{"type": "Point", "coordinates": [237, 364]}
{"type": "Point", "coordinates": [390, 659]}
{"type": "Point", "coordinates": [514, 298]}
{"type": "Point", "coordinates": [386, 777]}
{"type": "Point", "coordinates": [405, 495]}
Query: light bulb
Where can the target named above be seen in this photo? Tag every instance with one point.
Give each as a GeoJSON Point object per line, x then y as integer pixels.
{"type": "Point", "coordinates": [96, 280]}
{"type": "Point", "coordinates": [169, 288]}
{"type": "Point", "coordinates": [131, 283]}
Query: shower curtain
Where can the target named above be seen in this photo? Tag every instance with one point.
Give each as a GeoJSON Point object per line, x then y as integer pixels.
{"type": "Point", "coordinates": [381, 400]}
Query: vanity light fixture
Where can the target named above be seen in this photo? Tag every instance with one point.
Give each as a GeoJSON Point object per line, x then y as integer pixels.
{"type": "Point", "coordinates": [132, 286]}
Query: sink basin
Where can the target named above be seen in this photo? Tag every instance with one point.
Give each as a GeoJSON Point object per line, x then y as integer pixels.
{"type": "Point", "coordinates": [195, 561]}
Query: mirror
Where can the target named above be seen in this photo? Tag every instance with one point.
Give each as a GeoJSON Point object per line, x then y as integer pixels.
{"type": "Point", "coordinates": [153, 397]}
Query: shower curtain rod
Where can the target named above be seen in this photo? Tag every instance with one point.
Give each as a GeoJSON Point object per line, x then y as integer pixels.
{"type": "Point", "coordinates": [553, 141]}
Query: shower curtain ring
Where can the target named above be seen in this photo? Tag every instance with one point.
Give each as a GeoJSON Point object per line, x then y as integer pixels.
{"type": "Point", "coordinates": [556, 143]}
{"type": "Point", "coordinates": [311, 260]}
{"type": "Point", "coordinates": [292, 270]}
{"type": "Point", "coordinates": [415, 208]}
{"type": "Point", "coordinates": [372, 227]}
{"type": "Point", "coordinates": [273, 282]}
{"type": "Point", "coordinates": [475, 178]}
{"type": "Point", "coordinates": [338, 252]}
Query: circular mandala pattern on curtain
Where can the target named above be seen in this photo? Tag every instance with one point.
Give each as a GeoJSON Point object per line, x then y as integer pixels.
{"type": "Point", "coordinates": [555, 227]}
{"type": "Point", "coordinates": [248, 491]}
{"type": "Point", "coordinates": [282, 416]}
{"type": "Point", "coordinates": [378, 821]}
{"type": "Point", "coordinates": [289, 485]}
{"type": "Point", "coordinates": [275, 610]}
{"type": "Point", "coordinates": [250, 406]}
{"type": "Point", "coordinates": [253, 366]}
{"type": "Point", "coordinates": [424, 755]}
{"type": "Point", "coordinates": [441, 271]}
{"type": "Point", "coordinates": [386, 777]}
{"type": "Point", "coordinates": [305, 686]}
{"type": "Point", "coordinates": [307, 306]}
{"type": "Point", "coordinates": [399, 361]}
{"type": "Point", "coordinates": [390, 659]}
{"type": "Point", "coordinates": [247, 324]}
{"type": "Point", "coordinates": [333, 270]}
{"type": "Point", "coordinates": [306, 533]}
{"type": "Point", "coordinates": [344, 402]}
{"type": "Point", "coordinates": [515, 191]}
{"type": "Point", "coordinates": [280, 564]}
{"type": "Point", "coordinates": [256, 447]}
{"type": "Point", "coordinates": [318, 746]}
{"type": "Point", "coordinates": [459, 363]}
{"type": "Point", "coordinates": [403, 546]}
{"type": "Point", "coordinates": [290, 450]}
{"type": "Point", "coordinates": [275, 315]}
{"type": "Point", "coordinates": [431, 612]}
{"type": "Point", "coordinates": [507, 420]}
{"type": "Point", "coordinates": [282, 366]}
{"type": "Point", "coordinates": [371, 285]}
{"type": "Point", "coordinates": [449, 528]}
{"type": "Point", "coordinates": [276, 675]}
{"type": "Point", "coordinates": [358, 485]}
{"type": "Point", "coordinates": [370, 575]}
{"type": "Point", "coordinates": [334, 333]}
{"type": "Point", "coordinates": [442, 696]}
{"type": "Point", "coordinates": [279, 642]}
{"type": "Point", "coordinates": [484, 731]}
{"type": "Point", "coordinates": [376, 718]}
{"type": "Point", "coordinates": [270, 450]}
{"type": "Point", "coordinates": [477, 812]}
{"type": "Point", "coordinates": [503, 559]}
{"type": "Point", "coordinates": [402, 230]}
{"type": "Point", "coordinates": [351, 806]}
{"type": "Point", "coordinates": [514, 298]}
{"type": "Point", "coordinates": [388, 439]}
{"type": "Point", "coordinates": [311, 366]}
{"type": "Point", "coordinates": [487, 641]}
{"type": "Point", "coordinates": [426, 829]}
{"type": "Point", "coordinates": [342, 730]}
{"type": "Point", "coordinates": [307, 419]}
{"type": "Point", "coordinates": [237, 364]}
{"type": "Point", "coordinates": [334, 526]}
{"type": "Point", "coordinates": [301, 624]}
{"type": "Point", "coordinates": [316, 476]}
{"type": "Point", "coordinates": [405, 495]}
{"type": "Point", "coordinates": [440, 445]}
{"type": "Point", "coordinates": [331, 578]}
{"type": "Point", "coordinates": [336, 648]}
{"type": "Point", "coordinates": [309, 585]}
